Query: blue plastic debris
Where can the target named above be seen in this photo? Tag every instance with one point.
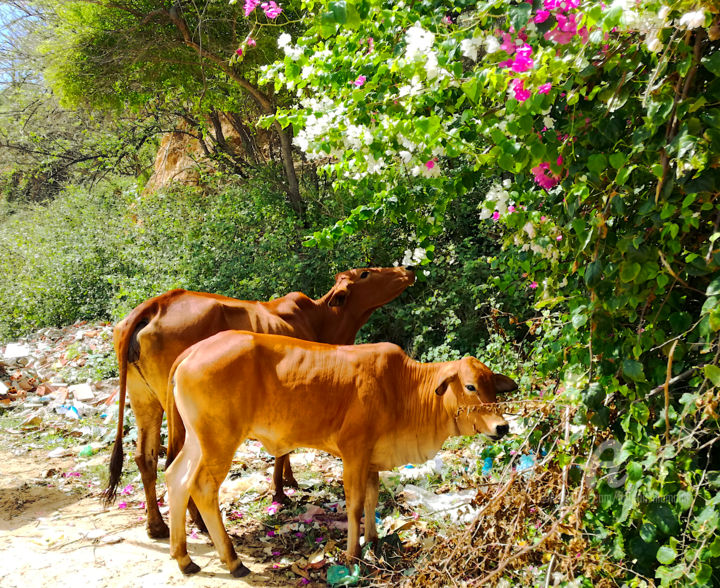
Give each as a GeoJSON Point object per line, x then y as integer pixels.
{"type": "Point", "coordinates": [341, 576]}
{"type": "Point", "coordinates": [526, 464]}
{"type": "Point", "coordinates": [487, 466]}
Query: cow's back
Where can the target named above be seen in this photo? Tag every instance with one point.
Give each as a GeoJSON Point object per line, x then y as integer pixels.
{"type": "Point", "coordinates": [288, 393]}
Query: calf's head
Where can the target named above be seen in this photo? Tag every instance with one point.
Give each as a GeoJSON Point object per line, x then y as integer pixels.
{"type": "Point", "coordinates": [358, 292]}
{"type": "Point", "coordinates": [470, 389]}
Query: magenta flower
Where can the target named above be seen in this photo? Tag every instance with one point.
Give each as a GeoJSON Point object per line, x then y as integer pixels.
{"type": "Point", "coordinates": [542, 178]}
{"type": "Point", "coordinates": [304, 581]}
{"type": "Point", "coordinates": [122, 504]}
{"type": "Point", "coordinates": [271, 533]}
{"type": "Point", "coordinates": [523, 61]}
{"type": "Point", "coordinates": [511, 208]}
{"type": "Point", "coordinates": [271, 9]}
{"type": "Point", "coordinates": [541, 16]}
{"type": "Point", "coordinates": [496, 215]}
{"type": "Point", "coordinates": [360, 81]}
{"type": "Point", "coordinates": [371, 45]}
{"type": "Point", "coordinates": [238, 51]}
{"type": "Point", "coordinates": [299, 535]}
{"type": "Point", "coordinates": [558, 238]}
{"type": "Point", "coordinates": [273, 508]}
{"type": "Point", "coordinates": [319, 540]}
{"type": "Point", "coordinates": [250, 5]}
{"type": "Point", "coordinates": [251, 42]}
{"type": "Point", "coordinates": [545, 88]}
{"type": "Point", "coordinates": [521, 94]}
{"type": "Point", "coordinates": [533, 285]}
{"type": "Point", "coordinates": [430, 164]}
{"type": "Point", "coordinates": [127, 490]}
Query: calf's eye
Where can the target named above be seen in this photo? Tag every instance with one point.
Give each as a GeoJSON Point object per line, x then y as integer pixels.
{"type": "Point", "coordinates": [364, 275]}
{"type": "Point", "coordinates": [470, 387]}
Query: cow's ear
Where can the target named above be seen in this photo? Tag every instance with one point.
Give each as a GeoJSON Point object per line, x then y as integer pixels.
{"type": "Point", "coordinates": [339, 295]}
{"type": "Point", "coordinates": [447, 373]}
{"type": "Point", "coordinates": [504, 384]}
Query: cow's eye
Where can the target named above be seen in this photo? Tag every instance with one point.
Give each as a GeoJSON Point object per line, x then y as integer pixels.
{"type": "Point", "coordinates": [470, 387]}
{"type": "Point", "coordinates": [364, 275]}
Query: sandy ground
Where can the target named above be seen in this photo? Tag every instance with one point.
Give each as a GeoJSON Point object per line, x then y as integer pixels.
{"type": "Point", "coordinates": [61, 537]}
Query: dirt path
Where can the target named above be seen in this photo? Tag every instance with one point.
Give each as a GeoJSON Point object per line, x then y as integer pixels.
{"type": "Point", "coordinates": [60, 535]}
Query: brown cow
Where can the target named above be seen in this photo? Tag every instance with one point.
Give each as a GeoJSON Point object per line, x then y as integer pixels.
{"type": "Point", "coordinates": [371, 405]}
{"type": "Point", "coordinates": [161, 328]}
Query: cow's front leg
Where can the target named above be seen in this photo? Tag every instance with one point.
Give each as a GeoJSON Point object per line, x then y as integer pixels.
{"type": "Point", "coordinates": [355, 479]}
{"type": "Point", "coordinates": [371, 497]}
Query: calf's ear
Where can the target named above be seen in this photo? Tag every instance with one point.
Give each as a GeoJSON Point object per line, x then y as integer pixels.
{"type": "Point", "coordinates": [444, 377]}
{"type": "Point", "coordinates": [339, 295]}
{"type": "Point", "coordinates": [504, 384]}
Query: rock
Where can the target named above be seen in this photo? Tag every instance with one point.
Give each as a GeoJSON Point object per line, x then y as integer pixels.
{"type": "Point", "coordinates": [16, 351]}
{"type": "Point", "coordinates": [81, 392]}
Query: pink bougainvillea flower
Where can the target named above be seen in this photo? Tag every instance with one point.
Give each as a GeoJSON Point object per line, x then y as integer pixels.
{"type": "Point", "coordinates": [518, 88]}
{"type": "Point", "coordinates": [319, 540]}
{"type": "Point", "coordinates": [545, 88]}
{"type": "Point", "coordinates": [541, 16]}
{"type": "Point", "coordinates": [559, 160]}
{"type": "Point", "coordinates": [251, 42]}
{"type": "Point", "coordinates": [371, 45]}
{"type": "Point", "coordinates": [122, 504]}
{"type": "Point", "coordinates": [542, 178]}
{"type": "Point", "coordinates": [496, 215]}
{"type": "Point", "coordinates": [238, 51]}
{"type": "Point", "coordinates": [299, 535]}
{"type": "Point", "coordinates": [273, 508]}
{"type": "Point", "coordinates": [533, 285]}
{"type": "Point", "coordinates": [430, 164]}
{"type": "Point", "coordinates": [523, 61]}
{"type": "Point", "coordinates": [543, 219]}
{"type": "Point", "coordinates": [235, 514]}
{"type": "Point", "coordinates": [127, 490]}
{"type": "Point", "coordinates": [271, 9]}
{"type": "Point", "coordinates": [511, 208]}
{"type": "Point", "coordinates": [304, 581]}
{"type": "Point", "coordinates": [271, 533]}
{"type": "Point", "coordinates": [508, 45]}
{"type": "Point", "coordinates": [558, 238]}
{"type": "Point", "coordinates": [250, 5]}
{"type": "Point", "coordinates": [360, 81]}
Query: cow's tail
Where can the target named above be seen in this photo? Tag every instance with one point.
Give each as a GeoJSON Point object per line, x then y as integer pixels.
{"type": "Point", "coordinates": [125, 336]}
{"type": "Point", "coordinates": [175, 425]}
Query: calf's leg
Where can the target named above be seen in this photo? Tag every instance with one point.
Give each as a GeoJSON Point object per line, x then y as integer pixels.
{"type": "Point", "coordinates": [355, 479]}
{"type": "Point", "coordinates": [148, 417]}
{"type": "Point", "coordinates": [282, 476]}
{"type": "Point", "coordinates": [371, 497]}
{"type": "Point", "coordinates": [204, 490]}
{"type": "Point", "coordinates": [178, 477]}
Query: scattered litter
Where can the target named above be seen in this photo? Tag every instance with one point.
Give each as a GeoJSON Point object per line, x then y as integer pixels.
{"type": "Point", "coordinates": [59, 452]}
{"type": "Point", "coordinates": [456, 505]}
{"type": "Point", "coordinates": [341, 575]}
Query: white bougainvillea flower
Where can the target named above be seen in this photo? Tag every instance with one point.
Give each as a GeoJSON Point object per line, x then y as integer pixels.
{"type": "Point", "coordinates": [693, 20]}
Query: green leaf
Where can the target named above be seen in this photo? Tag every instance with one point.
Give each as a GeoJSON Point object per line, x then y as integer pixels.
{"type": "Point", "coordinates": [648, 531]}
{"type": "Point", "coordinates": [714, 288]}
{"type": "Point", "coordinates": [506, 161]}
{"type": "Point", "coordinates": [593, 273]}
{"type": "Point", "coordinates": [666, 555]}
{"type": "Point", "coordinates": [634, 471]}
{"type": "Point", "coordinates": [663, 518]}
{"type": "Point", "coordinates": [597, 163]}
{"type": "Point", "coordinates": [617, 160]}
{"type": "Point", "coordinates": [629, 271]}
{"type": "Point", "coordinates": [712, 63]}
{"type": "Point", "coordinates": [339, 11]}
{"type": "Point", "coordinates": [712, 373]}
{"type": "Point", "coordinates": [633, 370]}
{"type": "Point", "coordinates": [472, 89]}
{"type": "Point", "coordinates": [519, 15]}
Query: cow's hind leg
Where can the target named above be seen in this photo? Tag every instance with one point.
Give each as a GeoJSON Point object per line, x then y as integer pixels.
{"type": "Point", "coordinates": [204, 491]}
{"type": "Point", "coordinates": [288, 477]}
{"type": "Point", "coordinates": [178, 478]}
{"type": "Point", "coordinates": [148, 417]}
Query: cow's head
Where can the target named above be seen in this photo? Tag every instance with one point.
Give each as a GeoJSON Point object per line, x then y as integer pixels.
{"type": "Point", "coordinates": [358, 292]}
{"type": "Point", "coordinates": [471, 389]}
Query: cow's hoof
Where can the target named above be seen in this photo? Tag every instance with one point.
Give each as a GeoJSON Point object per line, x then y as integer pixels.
{"type": "Point", "coordinates": [158, 531]}
{"type": "Point", "coordinates": [191, 568]}
{"type": "Point", "coordinates": [290, 482]}
{"type": "Point", "coordinates": [240, 571]}
{"type": "Point", "coordinates": [281, 498]}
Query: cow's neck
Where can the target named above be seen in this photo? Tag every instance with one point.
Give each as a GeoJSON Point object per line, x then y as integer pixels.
{"type": "Point", "coordinates": [426, 411]}
{"type": "Point", "coordinates": [336, 325]}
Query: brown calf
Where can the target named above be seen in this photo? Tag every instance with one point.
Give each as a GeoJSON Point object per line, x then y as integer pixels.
{"type": "Point", "coordinates": [370, 405]}
{"type": "Point", "coordinates": [150, 338]}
